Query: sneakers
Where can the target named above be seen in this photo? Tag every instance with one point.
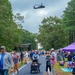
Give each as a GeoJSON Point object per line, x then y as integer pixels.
{"type": "Point", "coordinates": [15, 73]}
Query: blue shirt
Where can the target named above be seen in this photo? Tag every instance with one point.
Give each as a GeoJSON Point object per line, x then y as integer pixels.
{"type": "Point", "coordinates": [31, 54]}
{"type": "Point", "coordinates": [1, 61]}
{"type": "Point", "coordinates": [35, 56]}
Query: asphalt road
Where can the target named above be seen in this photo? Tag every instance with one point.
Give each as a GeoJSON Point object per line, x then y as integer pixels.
{"type": "Point", "coordinates": [26, 68]}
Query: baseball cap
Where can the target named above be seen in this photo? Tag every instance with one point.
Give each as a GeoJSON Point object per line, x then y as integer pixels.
{"type": "Point", "coordinates": [52, 49]}
{"type": "Point", "coordinates": [2, 47]}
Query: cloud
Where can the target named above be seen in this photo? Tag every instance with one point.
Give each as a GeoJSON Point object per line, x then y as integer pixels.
{"type": "Point", "coordinates": [32, 17]}
{"type": "Point", "coordinates": [42, 12]}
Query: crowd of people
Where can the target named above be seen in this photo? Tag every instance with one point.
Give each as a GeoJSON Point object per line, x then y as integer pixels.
{"type": "Point", "coordinates": [50, 57]}
{"type": "Point", "coordinates": [11, 60]}
{"type": "Point", "coordinates": [67, 57]}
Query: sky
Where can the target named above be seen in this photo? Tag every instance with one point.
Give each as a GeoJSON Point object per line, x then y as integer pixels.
{"type": "Point", "coordinates": [33, 17]}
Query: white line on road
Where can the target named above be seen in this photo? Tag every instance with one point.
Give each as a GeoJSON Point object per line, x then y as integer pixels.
{"type": "Point", "coordinates": [22, 67]}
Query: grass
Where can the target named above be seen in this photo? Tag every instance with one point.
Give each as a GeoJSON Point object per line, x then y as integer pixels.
{"type": "Point", "coordinates": [59, 71]}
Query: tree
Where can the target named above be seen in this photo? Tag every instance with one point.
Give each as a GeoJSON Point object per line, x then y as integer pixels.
{"type": "Point", "coordinates": [51, 33]}
{"type": "Point", "coordinates": [18, 19]}
{"type": "Point", "coordinates": [8, 28]}
{"type": "Point", "coordinates": [28, 37]}
{"type": "Point", "coordinates": [69, 21]}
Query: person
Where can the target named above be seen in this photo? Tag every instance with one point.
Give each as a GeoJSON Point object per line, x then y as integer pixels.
{"type": "Point", "coordinates": [48, 64]}
{"type": "Point", "coordinates": [73, 58]}
{"type": "Point", "coordinates": [15, 58]}
{"type": "Point", "coordinates": [35, 55]}
{"type": "Point", "coordinates": [69, 57]}
{"type": "Point", "coordinates": [6, 61]}
{"type": "Point", "coordinates": [63, 56]}
{"type": "Point", "coordinates": [53, 56]}
{"type": "Point", "coordinates": [59, 56]}
{"type": "Point", "coordinates": [26, 57]}
{"type": "Point", "coordinates": [21, 57]}
{"type": "Point", "coordinates": [31, 54]}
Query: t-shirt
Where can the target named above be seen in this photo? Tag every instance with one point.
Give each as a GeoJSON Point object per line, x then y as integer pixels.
{"type": "Point", "coordinates": [15, 58]}
{"type": "Point", "coordinates": [1, 61]}
{"type": "Point", "coordinates": [31, 54]}
{"type": "Point", "coordinates": [26, 55]}
{"type": "Point", "coordinates": [21, 55]}
{"type": "Point", "coordinates": [69, 57]}
{"type": "Point", "coordinates": [35, 56]}
{"type": "Point", "coordinates": [48, 60]}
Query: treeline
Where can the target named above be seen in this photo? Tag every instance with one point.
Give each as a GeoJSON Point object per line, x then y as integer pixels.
{"type": "Point", "coordinates": [11, 32]}
{"type": "Point", "coordinates": [58, 32]}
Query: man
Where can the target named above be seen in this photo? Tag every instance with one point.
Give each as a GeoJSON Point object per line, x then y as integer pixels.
{"type": "Point", "coordinates": [31, 54]}
{"type": "Point", "coordinates": [69, 58]}
{"type": "Point", "coordinates": [5, 61]}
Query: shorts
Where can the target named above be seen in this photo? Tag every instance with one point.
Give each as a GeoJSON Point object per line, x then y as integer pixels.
{"type": "Point", "coordinates": [16, 66]}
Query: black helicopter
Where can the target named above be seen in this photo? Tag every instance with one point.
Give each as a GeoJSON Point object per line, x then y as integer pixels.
{"type": "Point", "coordinates": [39, 6]}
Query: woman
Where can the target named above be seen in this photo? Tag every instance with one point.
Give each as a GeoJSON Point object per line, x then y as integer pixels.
{"type": "Point", "coordinates": [53, 56]}
{"type": "Point", "coordinates": [26, 57]}
{"type": "Point", "coordinates": [48, 65]}
{"type": "Point", "coordinates": [16, 58]}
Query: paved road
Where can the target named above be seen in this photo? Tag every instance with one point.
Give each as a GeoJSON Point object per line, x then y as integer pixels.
{"type": "Point", "coordinates": [26, 70]}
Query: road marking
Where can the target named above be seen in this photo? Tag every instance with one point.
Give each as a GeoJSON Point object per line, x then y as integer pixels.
{"type": "Point", "coordinates": [21, 67]}
{"type": "Point", "coordinates": [24, 66]}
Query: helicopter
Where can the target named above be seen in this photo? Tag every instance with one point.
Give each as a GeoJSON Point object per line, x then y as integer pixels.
{"type": "Point", "coordinates": [39, 6]}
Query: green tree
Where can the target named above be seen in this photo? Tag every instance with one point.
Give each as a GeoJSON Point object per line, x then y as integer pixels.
{"type": "Point", "coordinates": [69, 21]}
{"type": "Point", "coordinates": [8, 28]}
{"type": "Point", "coordinates": [28, 37]}
{"type": "Point", "coordinates": [18, 19]}
{"type": "Point", "coordinates": [51, 33]}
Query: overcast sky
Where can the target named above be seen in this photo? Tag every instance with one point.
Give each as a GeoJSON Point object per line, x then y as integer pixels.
{"type": "Point", "coordinates": [32, 17]}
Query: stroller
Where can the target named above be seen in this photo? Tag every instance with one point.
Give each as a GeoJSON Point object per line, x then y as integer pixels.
{"type": "Point", "coordinates": [35, 66]}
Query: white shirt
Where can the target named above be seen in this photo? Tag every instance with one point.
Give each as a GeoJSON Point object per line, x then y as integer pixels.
{"type": "Point", "coordinates": [26, 55]}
